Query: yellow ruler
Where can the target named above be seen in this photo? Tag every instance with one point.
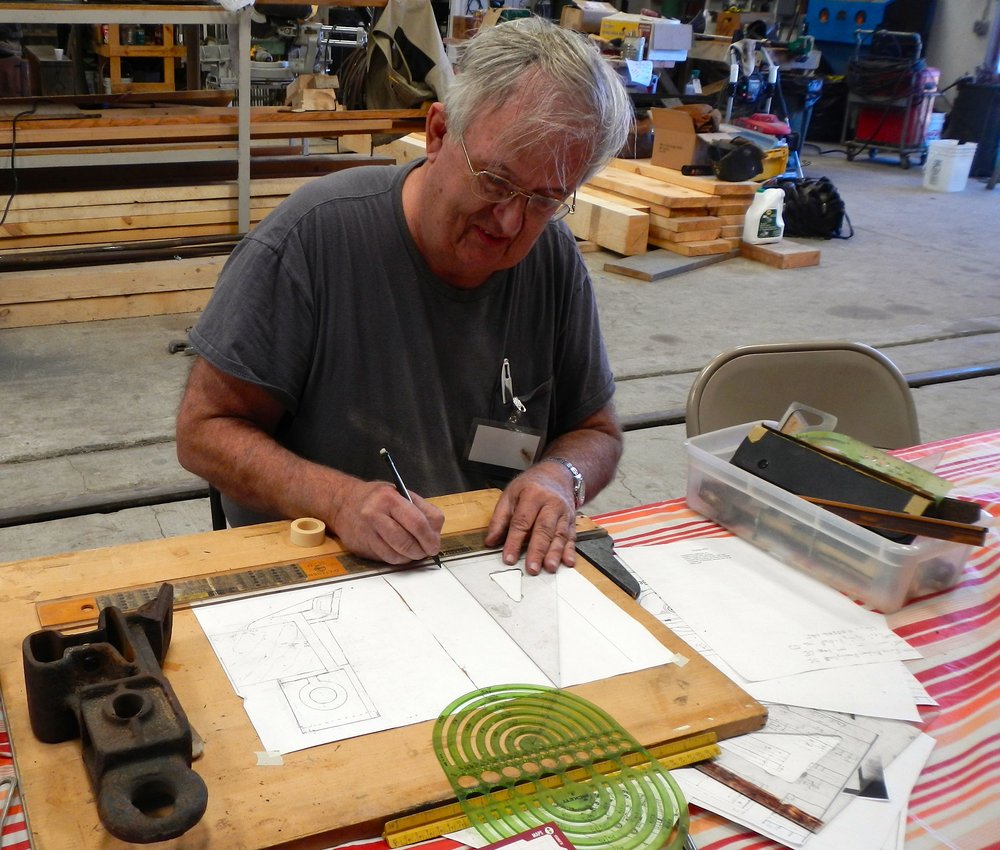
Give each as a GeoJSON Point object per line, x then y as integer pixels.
{"type": "Point", "coordinates": [451, 817]}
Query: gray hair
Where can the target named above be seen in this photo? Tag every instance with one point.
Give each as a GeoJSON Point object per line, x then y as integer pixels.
{"type": "Point", "coordinates": [571, 93]}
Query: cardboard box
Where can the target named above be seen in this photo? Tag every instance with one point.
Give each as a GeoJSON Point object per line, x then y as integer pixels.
{"type": "Point", "coordinates": [585, 15]}
{"type": "Point", "coordinates": [312, 93]}
{"type": "Point", "coordinates": [675, 142]}
{"type": "Point", "coordinates": [666, 38]}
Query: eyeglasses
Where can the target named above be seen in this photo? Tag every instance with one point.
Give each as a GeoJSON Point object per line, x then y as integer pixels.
{"type": "Point", "coordinates": [491, 187]}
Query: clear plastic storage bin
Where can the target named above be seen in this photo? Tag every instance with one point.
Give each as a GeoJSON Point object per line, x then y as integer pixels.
{"type": "Point", "coordinates": [864, 565]}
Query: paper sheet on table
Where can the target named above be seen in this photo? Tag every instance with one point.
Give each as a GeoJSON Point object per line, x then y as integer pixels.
{"type": "Point", "coordinates": [861, 825]}
{"type": "Point", "coordinates": [321, 664]}
{"type": "Point", "coordinates": [883, 689]}
{"type": "Point", "coordinates": [763, 618]}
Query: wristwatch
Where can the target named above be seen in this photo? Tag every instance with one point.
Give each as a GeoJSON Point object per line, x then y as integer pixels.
{"type": "Point", "coordinates": [579, 486]}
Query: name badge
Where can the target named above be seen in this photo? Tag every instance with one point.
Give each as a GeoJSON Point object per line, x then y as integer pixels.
{"type": "Point", "coordinates": [500, 445]}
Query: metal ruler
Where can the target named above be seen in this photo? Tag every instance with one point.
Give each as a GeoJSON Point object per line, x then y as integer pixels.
{"type": "Point", "coordinates": [83, 609]}
{"type": "Point", "coordinates": [435, 822]}
{"type": "Point", "coordinates": [231, 584]}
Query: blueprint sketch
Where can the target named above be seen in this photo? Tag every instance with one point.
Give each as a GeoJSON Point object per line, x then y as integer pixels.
{"type": "Point", "coordinates": [319, 664]}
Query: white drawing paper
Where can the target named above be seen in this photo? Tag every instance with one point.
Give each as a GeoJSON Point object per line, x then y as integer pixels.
{"type": "Point", "coordinates": [721, 586]}
{"type": "Point", "coordinates": [328, 662]}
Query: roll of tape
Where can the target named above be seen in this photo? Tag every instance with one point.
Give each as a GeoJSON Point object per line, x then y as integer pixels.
{"type": "Point", "coordinates": [308, 531]}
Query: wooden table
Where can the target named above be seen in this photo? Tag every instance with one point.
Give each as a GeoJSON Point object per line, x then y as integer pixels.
{"type": "Point", "coordinates": [319, 796]}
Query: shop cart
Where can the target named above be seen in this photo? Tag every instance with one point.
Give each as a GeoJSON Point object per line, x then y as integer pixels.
{"type": "Point", "coordinates": [890, 96]}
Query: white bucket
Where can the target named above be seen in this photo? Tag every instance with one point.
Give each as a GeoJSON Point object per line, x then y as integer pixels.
{"type": "Point", "coordinates": [948, 164]}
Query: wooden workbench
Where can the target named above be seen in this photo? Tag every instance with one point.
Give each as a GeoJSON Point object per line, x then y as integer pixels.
{"type": "Point", "coordinates": [316, 797]}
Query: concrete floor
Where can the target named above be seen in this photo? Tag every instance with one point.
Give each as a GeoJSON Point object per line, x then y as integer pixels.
{"type": "Point", "coordinates": [87, 409]}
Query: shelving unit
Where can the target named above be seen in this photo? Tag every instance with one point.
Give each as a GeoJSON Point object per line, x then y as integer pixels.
{"type": "Point", "coordinates": [98, 13]}
{"type": "Point", "coordinates": [114, 52]}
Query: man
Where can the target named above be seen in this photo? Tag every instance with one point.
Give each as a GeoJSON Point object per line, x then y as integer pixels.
{"type": "Point", "coordinates": [435, 309]}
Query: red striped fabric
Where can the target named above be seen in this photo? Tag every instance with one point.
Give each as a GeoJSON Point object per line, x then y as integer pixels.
{"type": "Point", "coordinates": [956, 801]}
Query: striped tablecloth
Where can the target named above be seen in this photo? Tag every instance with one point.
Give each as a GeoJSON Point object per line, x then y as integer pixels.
{"type": "Point", "coordinates": [15, 832]}
{"type": "Point", "coordinates": [956, 802]}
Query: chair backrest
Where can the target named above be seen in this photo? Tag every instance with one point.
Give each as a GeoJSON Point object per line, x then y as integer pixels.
{"type": "Point", "coordinates": [856, 383]}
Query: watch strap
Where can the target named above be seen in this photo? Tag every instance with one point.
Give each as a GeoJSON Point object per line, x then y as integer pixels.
{"type": "Point", "coordinates": [579, 487]}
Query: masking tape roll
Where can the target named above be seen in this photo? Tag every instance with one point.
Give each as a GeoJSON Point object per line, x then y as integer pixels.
{"type": "Point", "coordinates": [308, 531]}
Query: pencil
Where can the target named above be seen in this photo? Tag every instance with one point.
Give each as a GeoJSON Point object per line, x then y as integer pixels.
{"type": "Point", "coordinates": [401, 489]}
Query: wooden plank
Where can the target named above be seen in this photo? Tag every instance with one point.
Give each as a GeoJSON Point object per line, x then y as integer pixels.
{"type": "Point", "coordinates": [406, 149]}
{"type": "Point", "coordinates": [100, 211]}
{"type": "Point", "coordinates": [786, 254]}
{"type": "Point", "coordinates": [613, 226]}
{"type": "Point", "coordinates": [121, 236]}
{"type": "Point", "coordinates": [674, 236]}
{"type": "Point", "coordinates": [188, 132]}
{"type": "Point", "coordinates": [252, 806]}
{"type": "Point", "coordinates": [683, 224]}
{"type": "Point", "coordinates": [614, 197]}
{"type": "Point", "coordinates": [660, 264]}
{"type": "Point", "coordinates": [262, 187]}
{"type": "Point", "coordinates": [128, 222]}
{"type": "Point", "coordinates": [709, 185]}
{"type": "Point", "coordinates": [123, 279]}
{"type": "Point", "coordinates": [728, 207]}
{"type": "Point", "coordinates": [648, 189]}
{"type": "Point", "coordinates": [98, 309]}
{"type": "Point", "coordinates": [189, 147]}
{"type": "Point", "coordinates": [694, 249]}
{"type": "Point", "coordinates": [683, 211]}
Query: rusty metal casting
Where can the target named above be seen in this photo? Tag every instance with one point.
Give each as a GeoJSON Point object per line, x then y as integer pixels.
{"type": "Point", "coordinates": [107, 688]}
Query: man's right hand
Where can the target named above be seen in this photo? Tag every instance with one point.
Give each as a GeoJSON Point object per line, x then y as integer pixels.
{"type": "Point", "coordinates": [374, 521]}
{"type": "Point", "coordinates": [224, 434]}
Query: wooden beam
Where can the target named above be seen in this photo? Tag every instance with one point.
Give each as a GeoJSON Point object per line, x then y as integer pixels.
{"type": "Point", "coordinates": [127, 279]}
{"type": "Point", "coordinates": [709, 185]}
{"type": "Point", "coordinates": [613, 226]}
{"type": "Point", "coordinates": [785, 254]}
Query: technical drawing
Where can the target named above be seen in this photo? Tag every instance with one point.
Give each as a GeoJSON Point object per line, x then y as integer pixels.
{"type": "Point", "coordinates": [296, 648]}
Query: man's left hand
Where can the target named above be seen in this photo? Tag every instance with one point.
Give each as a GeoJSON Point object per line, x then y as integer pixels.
{"type": "Point", "coordinates": [537, 509]}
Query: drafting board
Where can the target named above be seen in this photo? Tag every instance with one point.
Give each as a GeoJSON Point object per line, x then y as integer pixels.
{"type": "Point", "coordinates": [254, 805]}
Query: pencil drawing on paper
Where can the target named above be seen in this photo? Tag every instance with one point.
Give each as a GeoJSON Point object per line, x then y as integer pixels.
{"type": "Point", "coordinates": [296, 649]}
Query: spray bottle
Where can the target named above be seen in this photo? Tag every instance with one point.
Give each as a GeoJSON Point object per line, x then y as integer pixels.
{"type": "Point", "coordinates": [763, 222]}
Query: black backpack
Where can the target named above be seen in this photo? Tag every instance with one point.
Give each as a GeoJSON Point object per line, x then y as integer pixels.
{"type": "Point", "coordinates": [813, 208]}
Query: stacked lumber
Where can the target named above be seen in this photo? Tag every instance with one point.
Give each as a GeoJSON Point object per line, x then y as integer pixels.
{"type": "Point", "coordinates": [55, 296]}
{"type": "Point", "coordinates": [60, 219]}
{"type": "Point", "coordinates": [691, 216]}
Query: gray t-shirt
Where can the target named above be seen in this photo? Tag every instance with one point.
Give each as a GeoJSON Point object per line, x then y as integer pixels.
{"type": "Point", "coordinates": [329, 306]}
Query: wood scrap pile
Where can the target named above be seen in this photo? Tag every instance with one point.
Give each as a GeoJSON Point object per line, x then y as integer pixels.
{"type": "Point", "coordinates": [692, 216]}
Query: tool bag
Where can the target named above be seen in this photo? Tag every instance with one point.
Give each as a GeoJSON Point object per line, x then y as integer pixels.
{"type": "Point", "coordinates": [813, 208]}
{"type": "Point", "coordinates": [735, 160]}
{"type": "Point", "coordinates": [404, 63]}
